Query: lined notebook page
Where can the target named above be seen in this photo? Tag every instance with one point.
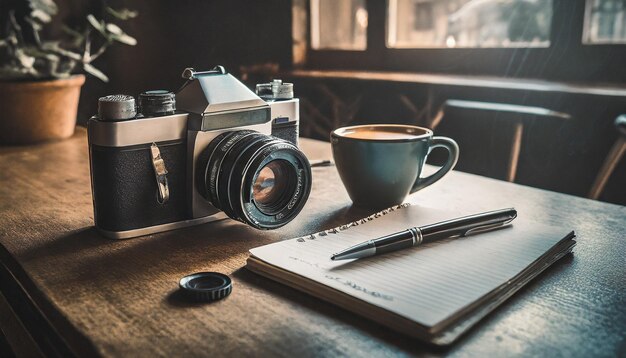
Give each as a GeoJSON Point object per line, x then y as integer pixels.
{"type": "Point", "coordinates": [426, 284]}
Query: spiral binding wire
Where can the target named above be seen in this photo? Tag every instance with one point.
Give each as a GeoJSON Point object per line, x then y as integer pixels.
{"type": "Point", "coordinates": [340, 228]}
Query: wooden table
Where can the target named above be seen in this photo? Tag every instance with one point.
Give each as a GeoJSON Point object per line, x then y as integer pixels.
{"type": "Point", "coordinates": [67, 290]}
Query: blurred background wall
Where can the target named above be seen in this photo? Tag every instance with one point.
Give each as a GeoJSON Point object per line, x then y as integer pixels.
{"type": "Point", "coordinates": [240, 34]}
{"type": "Point", "coordinates": [173, 35]}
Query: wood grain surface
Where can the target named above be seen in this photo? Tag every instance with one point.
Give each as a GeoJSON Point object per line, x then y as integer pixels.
{"type": "Point", "coordinates": [120, 298]}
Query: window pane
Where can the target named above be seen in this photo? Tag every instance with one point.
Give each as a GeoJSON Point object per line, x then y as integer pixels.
{"type": "Point", "coordinates": [338, 24]}
{"type": "Point", "coordinates": [605, 22]}
{"type": "Point", "coordinates": [468, 23]}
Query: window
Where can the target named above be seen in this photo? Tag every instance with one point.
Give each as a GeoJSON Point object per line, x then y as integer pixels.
{"type": "Point", "coordinates": [605, 22]}
{"type": "Point", "coordinates": [423, 16]}
{"type": "Point", "coordinates": [546, 39]}
{"type": "Point", "coordinates": [468, 23]}
{"type": "Point", "coordinates": [338, 24]}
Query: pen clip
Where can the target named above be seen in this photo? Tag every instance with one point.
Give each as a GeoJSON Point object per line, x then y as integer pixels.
{"type": "Point", "coordinates": [488, 227]}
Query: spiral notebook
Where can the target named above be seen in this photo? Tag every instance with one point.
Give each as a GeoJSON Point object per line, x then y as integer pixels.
{"type": "Point", "coordinates": [434, 292]}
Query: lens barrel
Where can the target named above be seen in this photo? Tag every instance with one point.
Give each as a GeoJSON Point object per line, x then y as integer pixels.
{"type": "Point", "coordinates": [255, 178]}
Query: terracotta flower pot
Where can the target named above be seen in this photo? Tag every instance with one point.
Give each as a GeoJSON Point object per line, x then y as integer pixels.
{"type": "Point", "coordinates": [36, 111]}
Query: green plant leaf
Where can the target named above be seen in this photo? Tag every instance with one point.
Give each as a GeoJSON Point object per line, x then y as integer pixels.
{"type": "Point", "coordinates": [126, 39]}
{"type": "Point", "coordinates": [41, 56]}
{"type": "Point", "coordinates": [98, 25]}
{"type": "Point", "coordinates": [55, 47]}
{"type": "Point", "coordinates": [36, 25]}
{"type": "Point", "coordinates": [77, 39]}
{"type": "Point", "coordinates": [114, 29]}
{"type": "Point", "coordinates": [48, 6]}
{"type": "Point", "coordinates": [11, 40]}
{"type": "Point", "coordinates": [122, 14]}
{"type": "Point", "coordinates": [66, 66]}
{"type": "Point", "coordinates": [49, 63]}
{"type": "Point", "coordinates": [35, 58]}
{"type": "Point", "coordinates": [41, 16]}
{"type": "Point", "coordinates": [95, 72]}
{"type": "Point", "coordinates": [43, 10]}
{"type": "Point", "coordinates": [70, 31]}
{"type": "Point", "coordinates": [24, 59]}
{"type": "Point", "coordinates": [116, 34]}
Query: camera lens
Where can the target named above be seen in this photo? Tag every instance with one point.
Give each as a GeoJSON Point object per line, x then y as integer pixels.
{"type": "Point", "coordinates": [272, 186]}
{"type": "Point", "coordinates": [255, 178]}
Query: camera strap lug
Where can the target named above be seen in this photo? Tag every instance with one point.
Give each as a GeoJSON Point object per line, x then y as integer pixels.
{"type": "Point", "coordinates": [160, 173]}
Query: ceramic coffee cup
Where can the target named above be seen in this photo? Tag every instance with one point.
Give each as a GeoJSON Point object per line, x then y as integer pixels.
{"type": "Point", "coordinates": [380, 164]}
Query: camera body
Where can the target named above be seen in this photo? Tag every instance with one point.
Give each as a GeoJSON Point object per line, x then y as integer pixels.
{"type": "Point", "coordinates": [215, 149]}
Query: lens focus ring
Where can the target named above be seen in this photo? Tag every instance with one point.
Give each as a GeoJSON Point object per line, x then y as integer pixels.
{"type": "Point", "coordinates": [227, 177]}
{"type": "Point", "coordinates": [256, 178]}
{"type": "Point", "coordinates": [219, 148]}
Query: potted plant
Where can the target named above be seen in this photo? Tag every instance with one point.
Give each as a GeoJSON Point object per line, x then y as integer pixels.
{"type": "Point", "coordinates": [40, 80]}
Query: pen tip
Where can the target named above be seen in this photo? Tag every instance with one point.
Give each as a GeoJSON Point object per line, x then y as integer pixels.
{"type": "Point", "coordinates": [333, 257]}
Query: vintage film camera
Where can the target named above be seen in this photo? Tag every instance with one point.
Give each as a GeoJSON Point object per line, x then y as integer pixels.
{"type": "Point", "coordinates": [211, 150]}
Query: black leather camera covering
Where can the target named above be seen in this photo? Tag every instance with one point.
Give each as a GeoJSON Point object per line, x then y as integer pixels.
{"type": "Point", "coordinates": [287, 131]}
{"type": "Point", "coordinates": [125, 189]}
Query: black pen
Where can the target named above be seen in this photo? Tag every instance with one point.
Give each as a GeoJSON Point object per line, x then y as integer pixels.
{"type": "Point", "coordinates": [416, 236]}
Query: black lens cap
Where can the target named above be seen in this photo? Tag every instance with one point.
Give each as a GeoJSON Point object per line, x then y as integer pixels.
{"type": "Point", "coordinates": [206, 286]}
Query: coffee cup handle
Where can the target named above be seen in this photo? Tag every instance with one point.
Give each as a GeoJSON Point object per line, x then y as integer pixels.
{"type": "Point", "coordinates": [453, 157]}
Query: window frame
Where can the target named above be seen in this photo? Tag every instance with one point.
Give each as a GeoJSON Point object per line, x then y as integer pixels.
{"type": "Point", "coordinates": [566, 59]}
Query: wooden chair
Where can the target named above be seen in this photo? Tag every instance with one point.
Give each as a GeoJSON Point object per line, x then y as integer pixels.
{"type": "Point", "coordinates": [519, 113]}
{"type": "Point", "coordinates": [615, 154]}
